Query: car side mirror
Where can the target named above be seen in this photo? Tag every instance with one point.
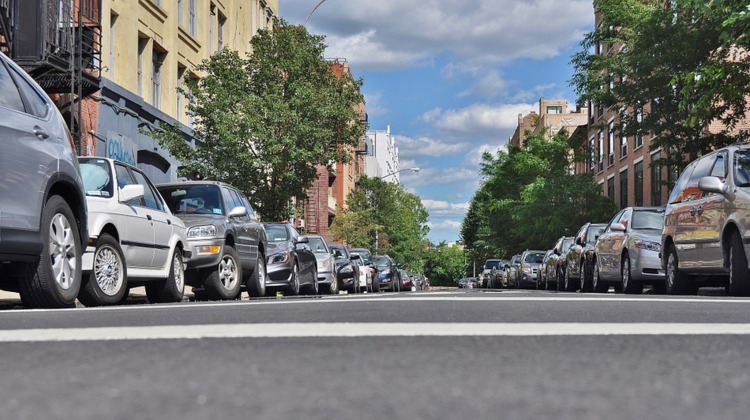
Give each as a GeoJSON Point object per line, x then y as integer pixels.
{"type": "Point", "coordinates": [579, 241]}
{"type": "Point", "coordinates": [617, 227]}
{"type": "Point", "coordinates": [131, 192]}
{"type": "Point", "coordinates": [302, 240]}
{"type": "Point", "coordinates": [238, 211]}
{"type": "Point", "coordinates": [712, 184]}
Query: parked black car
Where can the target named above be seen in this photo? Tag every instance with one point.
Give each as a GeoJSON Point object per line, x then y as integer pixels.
{"type": "Point", "coordinates": [388, 274]}
{"type": "Point", "coordinates": [346, 271]}
{"type": "Point", "coordinates": [43, 222]}
{"type": "Point", "coordinates": [292, 265]}
{"type": "Point", "coordinates": [227, 241]}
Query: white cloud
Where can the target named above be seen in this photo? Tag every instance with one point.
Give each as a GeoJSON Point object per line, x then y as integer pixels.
{"type": "Point", "coordinates": [424, 146]}
{"type": "Point", "coordinates": [481, 121]}
{"type": "Point", "coordinates": [445, 208]}
{"type": "Point", "coordinates": [489, 86]}
{"type": "Point", "coordinates": [445, 224]}
{"type": "Point", "coordinates": [439, 177]}
{"type": "Point", "coordinates": [373, 104]}
{"type": "Point", "coordinates": [474, 157]}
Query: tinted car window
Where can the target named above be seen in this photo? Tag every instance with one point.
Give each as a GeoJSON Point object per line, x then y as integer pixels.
{"type": "Point", "coordinates": [97, 177]}
{"type": "Point", "coordinates": [276, 233]}
{"type": "Point", "coordinates": [9, 95]}
{"type": "Point", "coordinates": [318, 245]}
{"type": "Point", "coordinates": [534, 258]}
{"type": "Point", "coordinates": [36, 105]}
{"type": "Point", "coordinates": [196, 198]}
{"type": "Point", "coordinates": [491, 264]}
{"type": "Point", "coordinates": [382, 262]}
{"type": "Point", "coordinates": [742, 168]}
{"type": "Point", "coordinates": [719, 170]}
{"type": "Point", "coordinates": [648, 219]}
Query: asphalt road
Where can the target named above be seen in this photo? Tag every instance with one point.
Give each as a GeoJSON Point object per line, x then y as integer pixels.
{"type": "Point", "coordinates": [420, 355]}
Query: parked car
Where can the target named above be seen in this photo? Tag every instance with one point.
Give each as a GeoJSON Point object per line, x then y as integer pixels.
{"type": "Point", "coordinates": [491, 273]}
{"type": "Point", "coordinates": [43, 227]}
{"type": "Point", "coordinates": [292, 265]}
{"type": "Point", "coordinates": [365, 254]}
{"type": "Point", "coordinates": [579, 261]}
{"type": "Point", "coordinates": [134, 238]}
{"type": "Point", "coordinates": [373, 285]}
{"type": "Point", "coordinates": [541, 278]}
{"type": "Point", "coordinates": [467, 283]}
{"type": "Point", "coordinates": [529, 268]}
{"type": "Point", "coordinates": [406, 283]}
{"type": "Point", "coordinates": [510, 274]}
{"type": "Point", "coordinates": [363, 274]}
{"type": "Point", "coordinates": [388, 274]}
{"type": "Point", "coordinates": [327, 280]}
{"type": "Point", "coordinates": [227, 241]}
{"type": "Point", "coordinates": [346, 272]}
{"type": "Point", "coordinates": [706, 224]}
{"type": "Point", "coordinates": [556, 263]}
{"type": "Point", "coordinates": [626, 254]}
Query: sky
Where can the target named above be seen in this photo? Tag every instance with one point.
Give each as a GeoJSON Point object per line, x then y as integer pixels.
{"type": "Point", "coordinates": [450, 77]}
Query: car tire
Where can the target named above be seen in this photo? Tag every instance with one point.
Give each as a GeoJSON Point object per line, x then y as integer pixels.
{"type": "Point", "coordinates": [739, 277]}
{"type": "Point", "coordinates": [107, 284]}
{"type": "Point", "coordinates": [568, 286]}
{"type": "Point", "coordinates": [172, 288]}
{"type": "Point", "coordinates": [293, 288]}
{"type": "Point", "coordinates": [314, 288]}
{"type": "Point", "coordinates": [224, 281]}
{"type": "Point", "coordinates": [333, 288]}
{"type": "Point", "coordinates": [677, 282]}
{"type": "Point", "coordinates": [629, 286]}
{"type": "Point", "coordinates": [561, 280]}
{"type": "Point", "coordinates": [54, 282]}
{"type": "Point", "coordinates": [587, 277]}
{"type": "Point", "coordinates": [375, 285]}
{"type": "Point", "coordinates": [598, 285]}
{"type": "Point", "coordinates": [256, 283]}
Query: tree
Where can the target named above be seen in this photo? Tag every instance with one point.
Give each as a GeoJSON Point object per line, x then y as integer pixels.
{"type": "Point", "coordinates": [263, 122]}
{"type": "Point", "coordinates": [669, 72]}
{"type": "Point", "coordinates": [445, 265]}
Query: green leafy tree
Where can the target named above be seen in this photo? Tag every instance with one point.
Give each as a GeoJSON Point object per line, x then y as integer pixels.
{"type": "Point", "coordinates": [445, 265]}
{"type": "Point", "coordinates": [263, 122]}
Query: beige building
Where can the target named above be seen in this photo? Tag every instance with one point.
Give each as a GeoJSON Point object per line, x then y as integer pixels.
{"type": "Point", "coordinates": [148, 46]}
{"type": "Point", "coordinates": [553, 115]}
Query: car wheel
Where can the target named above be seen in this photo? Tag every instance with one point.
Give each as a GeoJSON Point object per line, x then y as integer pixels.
{"type": "Point", "coordinates": [314, 288]}
{"type": "Point", "coordinates": [677, 282]}
{"type": "Point", "coordinates": [293, 288]}
{"type": "Point", "coordinates": [333, 288]}
{"type": "Point", "coordinates": [375, 285]}
{"type": "Point", "coordinates": [225, 280]}
{"type": "Point", "coordinates": [107, 284]}
{"type": "Point", "coordinates": [739, 278]}
{"type": "Point", "coordinates": [598, 285]}
{"type": "Point", "coordinates": [628, 285]}
{"type": "Point", "coordinates": [256, 283]}
{"type": "Point", "coordinates": [587, 277]}
{"type": "Point", "coordinates": [561, 280]}
{"type": "Point", "coordinates": [172, 288]}
{"type": "Point", "coordinates": [54, 282]}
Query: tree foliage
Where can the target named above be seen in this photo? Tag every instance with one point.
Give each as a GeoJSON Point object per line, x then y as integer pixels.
{"type": "Point", "coordinates": [263, 122]}
{"type": "Point", "coordinates": [670, 71]}
{"type": "Point", "coordinates": [529, 198]}
{"type": "Point", "coordinates": [444, 265]}
{"type": "Point", "coordinates": [383, 217]}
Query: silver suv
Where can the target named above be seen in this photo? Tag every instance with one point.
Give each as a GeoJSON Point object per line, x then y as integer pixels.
{"type": "Point", "coordinates": [705, 238]}
{"type": "Point", "coordinates": [43, 224]}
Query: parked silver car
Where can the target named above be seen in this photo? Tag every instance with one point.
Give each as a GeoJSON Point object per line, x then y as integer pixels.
{"type": "Point", "coordinates": [529, 268]}
{"type": "Point", "coordinates": [134, 238]}
{"type": "Point", "coordinates": [706, 234]}
{"type": "Point", "coordinates": [43, 219]}
{"type": "Point", "coordinates": [626, 255]}
{"type": "Point", "coordinates": [327, 279]}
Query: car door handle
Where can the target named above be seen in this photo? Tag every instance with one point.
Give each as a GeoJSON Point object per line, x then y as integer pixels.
{"type": "Point", "coordinates": [692, 211]}
{"type": "Point", "coordinates": [148, 216]}
{"type": "Point", "coordinates": [169, 221]}
{"type": "Point", "coordinates": [40, 133]}
{"type": "Point", "coordinates": [699, 210]}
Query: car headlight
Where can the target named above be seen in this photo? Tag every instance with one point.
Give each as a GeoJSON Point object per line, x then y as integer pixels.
{"type": "Point", "coordinates": [323, 264]}
{"type": "Point", "coordinates": [206, 231]}
{"type": "Point", "coordinates": [527, 269]}
{"type": "Point", "coordinates": [650, 246]}
{"type": "Point", "coordinates": [347, 269]}
{"type": "Point", "coordinates": [281, 258]}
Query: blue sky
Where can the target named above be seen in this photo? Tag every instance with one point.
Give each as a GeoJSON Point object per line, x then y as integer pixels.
{"type": "Point", "coordinates": [450, 78]}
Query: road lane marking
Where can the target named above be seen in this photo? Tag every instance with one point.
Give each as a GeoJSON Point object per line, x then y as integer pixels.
{"type": "Point", "coordinates": [331, 330]}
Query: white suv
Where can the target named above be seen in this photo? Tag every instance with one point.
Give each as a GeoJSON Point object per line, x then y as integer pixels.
{"type": "Point", "coordinates": [706, 238]}
{"type": "Point", "coordinates": [134, 238]}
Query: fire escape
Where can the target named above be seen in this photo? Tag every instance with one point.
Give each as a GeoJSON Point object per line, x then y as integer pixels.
{"type": "Point", "coordinates": [58, 42]}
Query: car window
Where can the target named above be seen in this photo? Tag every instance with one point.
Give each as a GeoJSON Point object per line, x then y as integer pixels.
{"type": "Point", "coordinates": [150, 199]}
{"type": "Point", "coordinates": [534, 257]}
{"type": "Point", "coordinates": [567, 242]}
{"type": "Point", "coordinates": [276, 233]}
{"type": "Point", "coordinates": [719, 169]}
{"type": "Point", "coordinates": [625, 218]}
{"type": "Point", "coordinates": [97, 177]}
{"type": "Point", "coordinates": [250, 211]}
{"type": "Point", "coordinates": [9, 95]}
{"type": "Point", "coordinates": [593, 232]}
{"type": "Point", "coordinates": [490, 264]}
{"type": "Point", "coordinates": [648, 219]}
{"type": "Point", "coordinates": [195, 198]}
{"type": "Point", "coordinates": [742, 168]}
{"type": "Point", "coordinates": [702, 168]}
{"type": "Point", "coordinates": [124, 178]}
{"type": "Point", "coordinates": [318, 245]}
{"type": "Point", "coordinates": [614, 220]}
{"type": "Point", "coordinates": [35, 104]}
{"type": "Point", "coordinates": [676, 195]}
{"type": "Point", "coordinates": [382, 262]}
{"type": "Point", "coordinates": [230, 200]}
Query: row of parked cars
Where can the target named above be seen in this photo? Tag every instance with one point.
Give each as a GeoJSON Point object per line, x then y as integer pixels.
{"type": "Point", "coordinates": [701, 238]}
{"type": "Point", "coordinates": [91, 228]}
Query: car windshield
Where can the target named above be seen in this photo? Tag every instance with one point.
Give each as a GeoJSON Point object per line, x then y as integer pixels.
{"type": "Point", "coordinates": [648, 219]}
{"type": "Point", "coordinates": [193, 199]}
{"type": "Point", "coordinates": [365, 254]}
{"type": "Point", "coordinates": [339, 252]}
{"type": "Point", "coordinates": [97, 177]}
{"type": "Point", "coordinates": [382, 262]}
{"type": "Point", "coordinates": [534, 258]}
{"type": "Point", "coordinates": [489, 265]}
{"type": "Point", "coordinates": [566, 243]}
{"type": "Point", "coordinates": [318, 245]}
{"type": "Point", "coordinates": [742, 168]}
{"type": "Point", "coordinates": [594, 232]}
{"type": "Point", "coordinates": [276, 233]}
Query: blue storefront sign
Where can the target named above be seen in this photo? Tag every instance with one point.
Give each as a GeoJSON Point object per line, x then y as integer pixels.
{"type": "Point", "coordinates": [121, 148]}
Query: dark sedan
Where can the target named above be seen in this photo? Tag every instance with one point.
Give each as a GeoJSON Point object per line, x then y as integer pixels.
{"type": "Point", "coordinates": [292, 265]}
{"type": "Point", "coordinates": [345, 270]}
{"type": "Point", "coordinates": [388, 274]}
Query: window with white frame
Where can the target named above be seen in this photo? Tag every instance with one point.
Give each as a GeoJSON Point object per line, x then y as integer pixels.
{"type": "Point", "coordinates": [639, 133]}
{"type": "Point", "coordinates": [611, 143]}
{"type": "Point", "coordinates": [623, 139]}
{"type": "Point", "coordinates": [157, 59]}
{"type": "Point", "coordinates": [192, 12]}
{"type": "Point", "coordinates": [211, 19]}
{"type": "Point", "coordinates": [601, 151]}
{"type": "Point", "coordinates": [220, 35]}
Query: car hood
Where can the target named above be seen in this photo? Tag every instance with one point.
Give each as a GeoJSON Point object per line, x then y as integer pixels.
{"type": "Point", "coordinates": [277, 247]}
{"type": "Point", "coordinates": [201, 219]}
{"type": "Point", "coordinates": [646, 236]}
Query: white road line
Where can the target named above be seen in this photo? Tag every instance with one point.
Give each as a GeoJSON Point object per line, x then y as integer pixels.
{"type": "Point", "coordinates": [317, 330]}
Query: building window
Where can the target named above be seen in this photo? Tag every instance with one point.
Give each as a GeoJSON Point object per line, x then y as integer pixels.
{"type": "Point", "coordinates": [601, 151]}
{"type": "Point", "coordinates": [624, 188]}
{"type": "Point", "coordinates": [611, 144]}
{"type": "Point", "coordinates": [180, 74]}
{"type": "Point", "coordinates": [611, 188]}
{"type": "Point", "coordinates": [142, 42]}
{"type": "Point", "coordinates": [638, 170]}
{"type": "Point", "coordinates": [179, 12]}
{"type": "Point", "coordinates": [623, 142]}
{"type": "Point", "coordinates": [211, 18]}
{"type": "Point", "coordinates": [554, 109]}
{"type": "Point", "coordinates": [157, 60]}
{"type": "Point", "coordinates": [656, 179]}
{"type": "Point", "coordinates": [222, 22]}
{"type": "Point", "coordinates": [112, 21]}
{"type": "Point", "coordinates": [192, 10]}
{"type": "Point", "coordinates": [639, 134]}
{"type": "Point", "coordinates": [592, 149]}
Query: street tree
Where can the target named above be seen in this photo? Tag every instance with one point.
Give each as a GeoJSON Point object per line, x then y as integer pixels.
{"type": "Point", "coordinates": [264, 122]}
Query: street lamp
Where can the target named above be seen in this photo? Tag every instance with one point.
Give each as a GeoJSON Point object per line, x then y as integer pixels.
{"type": "Point", "coordinates": [311, 11]}
{"type": "Point", "coordinates": [392, 173]}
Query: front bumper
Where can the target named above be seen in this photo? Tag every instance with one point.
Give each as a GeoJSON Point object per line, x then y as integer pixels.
{"type": "Point", "coordinates": [325, 277]}
{"type": "Point", "coordinates": [205, 253]}
{"type": "Point", "coordinates": [279, 274]}
{"type": "Point", "coordinates": [646, 266]}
